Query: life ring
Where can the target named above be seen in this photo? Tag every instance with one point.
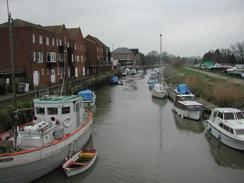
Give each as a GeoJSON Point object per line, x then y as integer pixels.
{"type": "Point", "coordinates": [67, 121]}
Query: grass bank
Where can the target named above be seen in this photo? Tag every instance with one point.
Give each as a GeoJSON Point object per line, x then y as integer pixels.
{"type": "Point", "coordinates": [217, 91]}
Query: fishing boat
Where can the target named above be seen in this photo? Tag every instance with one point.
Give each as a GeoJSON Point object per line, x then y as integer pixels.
{"type": "Point", "coordinates": [80, 162]}
{"type": "Point", "coordinates": [159, 91]}
{"type": "Point", "coordinates": [88, 96]}
{"type": "Point", "coordinates": [185, 104]}
{"type": "Point", "coordinates": [60, 128]}
{"type": "Point", "coordinates": [227, 125]}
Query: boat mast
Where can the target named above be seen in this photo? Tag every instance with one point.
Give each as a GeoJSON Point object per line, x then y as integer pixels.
{"type": "Point", "coordinates": [10, 21]}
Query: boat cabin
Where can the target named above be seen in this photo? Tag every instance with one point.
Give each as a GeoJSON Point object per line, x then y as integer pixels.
{"type": "Point", "coordinates": [231, 120]}
{"type": "Point", "coordinates": [54, 117]}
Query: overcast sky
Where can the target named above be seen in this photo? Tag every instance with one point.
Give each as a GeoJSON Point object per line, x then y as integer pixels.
{"type": "Point", "coordinates": [189, 27]}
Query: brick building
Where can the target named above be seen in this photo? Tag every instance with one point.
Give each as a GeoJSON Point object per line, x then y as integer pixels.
{"type": "Point", "coordinates": [41, 54]}
{"type": "Point", "coordinates": [98, 55]}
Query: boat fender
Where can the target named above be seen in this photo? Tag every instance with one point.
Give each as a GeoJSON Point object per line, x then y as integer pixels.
{"type": "Point", "coordinates": [67, 121]}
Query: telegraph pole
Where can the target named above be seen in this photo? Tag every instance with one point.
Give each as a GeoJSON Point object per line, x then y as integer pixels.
{"type": "Point", "coordinates": [10, 21]}
{"type": "Point", "coordinates": [161, 64]}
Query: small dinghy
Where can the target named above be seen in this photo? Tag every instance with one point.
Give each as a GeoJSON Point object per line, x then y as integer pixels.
{"type": "Point", "coordinates": [80, 162]}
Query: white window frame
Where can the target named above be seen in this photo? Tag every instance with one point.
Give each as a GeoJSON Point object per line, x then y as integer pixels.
{"type": "Point", "coordinates": [34, 56]}
{"type": "Point", "coordinates": [47, 40]}
{"type": "Point", "coordinates": [33, 38]}
{"type": "Point", "coordinates": [39, 57]}
{"type": "Point", "coordinates": [51, 57]}
{"type": "Point", "coordinates": [40, 39]}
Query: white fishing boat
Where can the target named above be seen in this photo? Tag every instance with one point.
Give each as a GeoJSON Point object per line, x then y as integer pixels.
{"type": "Point", "coordinates": [80, 162]}
{"type": "Point", "coordinates": [186, 107]}
{"type": "Point", "coordinates": [227, 125]}
{"type": "Point", "coordinates": [159, 91]}
{"type": "Point", "coordinates": [60, 128]}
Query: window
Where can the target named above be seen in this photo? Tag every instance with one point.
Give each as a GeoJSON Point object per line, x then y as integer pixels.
{"type": "Point", "coordinates": [52, 110]}
{"type": "Point", "coordinates": [60, 42]}
{"type": "Point", "coordinates": [34, 56]}
{"type": "Point", "coordinates": [40, 110]}
{"type": "Point", "coordinates": [78, 58]}
{"type": "Point", "coordinates": [65, 110]}
{"type": "Point", "coordinates": [42, 72]}
{"type": "Point", "coordinates": [228, 116]}
{"type": "Point", "coordinates": [47, 40]}
{"type": "Point", "coordinates": [72, 57]}
{"type": "Point", "coordinates": [240, 132]}
{"type": "Point", "coordinates": [47, 71]}
{"type": "Point", "coordinates": [51, 57]}
{"type": "Point", "coordinates": [39, 57]}
{"type": "Point", "coordinates": [33, 38]}
{"type": "Point", "coordinates": [240, 115]}
{"type": "Point", "coordinates": [53, 42]}
{"type": "Point", "coordinates": [75, 46]}
{"type": "Point", "coordinates": [220, 115]}
{"type": "Point", "coordinates": [40, 39]}
{"type": "Point", "coordinates": [56, 42]}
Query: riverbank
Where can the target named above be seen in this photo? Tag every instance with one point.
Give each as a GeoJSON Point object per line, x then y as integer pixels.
{"type": "Point", "coordinates": [211, 91]}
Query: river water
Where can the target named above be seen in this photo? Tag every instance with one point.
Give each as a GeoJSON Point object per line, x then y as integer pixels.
{"type": "Point", "coordinates": [140, 139]}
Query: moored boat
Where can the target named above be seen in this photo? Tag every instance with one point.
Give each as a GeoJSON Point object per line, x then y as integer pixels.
{"type": "Point", "coordinates": [227, 125]}
{"type": "Point", "coordinates": [80, 162]}
{"type": "Point", "coordinates": [186, 106]}
{"type": "Point", "coordinates": [88, 97]}
{"type": "Point", "coordinates": [159, 91]}
{"type": "Point", "coordinates": [60, 128]}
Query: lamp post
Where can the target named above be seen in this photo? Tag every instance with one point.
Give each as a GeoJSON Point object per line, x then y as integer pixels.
{"type": "Point", "coordinates": [160, 50]}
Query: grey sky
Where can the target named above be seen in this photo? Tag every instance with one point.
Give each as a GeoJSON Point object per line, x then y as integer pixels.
{"type": "Point", "coordinates": [189, 27]}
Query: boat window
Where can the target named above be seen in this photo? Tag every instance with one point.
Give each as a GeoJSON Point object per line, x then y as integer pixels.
{"type": "Point", "coordinates": [65, 110]}
{"type": "Point", "coordinates": [221, 125]}
{"type": "Point", "coordinates": [220, 115]}
{"type": "Point", "coordinates": [240, 115]}
{"type": "Point", "coordinates": [240, 132]}
{"type": "Point", "coordinates": [231, 131]}
{"type": "Point", "coordinates": [52, 110]}
{"type": "Point", "coordinates": [228, 116]}
{"type": "Point", "coordinates": [40, 110]}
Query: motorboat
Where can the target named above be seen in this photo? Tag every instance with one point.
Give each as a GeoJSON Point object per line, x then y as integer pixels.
{"type": "Point", "coordinates": [88, 97]}
{"type": "Point", "coordinates": [159, 91]}
{"type": "Point", "coordinates": [60, 128]}
{"type": "Point", "coordinates": [80, 162]}
{"type": "Point", "coordinates": [186, 106]}
{"type": "Point", "coordinates": [227, 125]}
{"type": "Point", "coordinates": [114, 80]}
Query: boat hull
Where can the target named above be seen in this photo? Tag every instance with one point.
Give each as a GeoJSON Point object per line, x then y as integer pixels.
{"type": "Point", "coordinates": [160, 95]}
{"type": "Point", "coordinates": [227, 140]}
{"type": "Point", "coordinates": [191, 114]}
{"type": "Point", "coordinates": [43, 161]}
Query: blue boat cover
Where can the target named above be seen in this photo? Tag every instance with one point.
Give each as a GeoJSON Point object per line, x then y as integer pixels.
{"type": "Point", "coordinates": [87, 95]}
{"type": "Point", "coordinates": [183, 89]}
{"type": "Point", "coordinates": [114, 80]}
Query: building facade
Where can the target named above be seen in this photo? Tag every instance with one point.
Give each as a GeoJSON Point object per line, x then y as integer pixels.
{"type": "Point", "coordinates": [42, 55]}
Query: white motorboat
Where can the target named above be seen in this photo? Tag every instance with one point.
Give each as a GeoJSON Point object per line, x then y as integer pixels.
{"type": "Point", "coordinates": [227, 125]}
{"type": "Point", "coordinates": [60, 128]}
{"type": "Point", "coordinates": [159, 91]}
{"type": "Point", "coordinates": [186, 106]}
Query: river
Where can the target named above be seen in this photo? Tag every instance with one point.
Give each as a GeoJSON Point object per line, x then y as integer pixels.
{"type": "Point", "coordinates": [140, 139]}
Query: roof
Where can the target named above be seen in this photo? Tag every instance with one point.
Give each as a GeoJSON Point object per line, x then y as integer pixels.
{"type": "Point", "coordinates": [94, 39]}
{"type": "Point", "coordinates": [72, 32]}
{"type": "Point", "coordinates": [122, 50]}
{"type": "Point", "coordinates": [226, 109]}
{"type": "Point", "coordinates": [23, 23]}
{"type": "Point", "coordinates": [56, 99]}
{"type": "Point", "coordinates": [56, 28]}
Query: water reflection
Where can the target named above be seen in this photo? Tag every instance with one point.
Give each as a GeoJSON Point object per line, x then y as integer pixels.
{"type": "Point", "coordinates": [224, 155]}
{"type": "Point", "coordinates": [158, 101]}
{"type": "Point", "coordinates": [188, 124]}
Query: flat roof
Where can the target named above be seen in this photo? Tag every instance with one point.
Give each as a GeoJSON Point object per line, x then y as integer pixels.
{"type": "Point", "coordinates": [55, 99]}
